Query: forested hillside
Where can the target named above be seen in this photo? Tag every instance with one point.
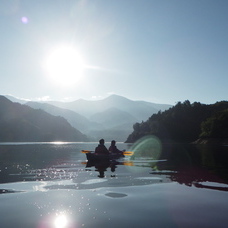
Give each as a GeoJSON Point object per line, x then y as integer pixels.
{"type": "Point", "coordinates": [186, 122]}
{"type": "Point", "coordinates": [22, 123]}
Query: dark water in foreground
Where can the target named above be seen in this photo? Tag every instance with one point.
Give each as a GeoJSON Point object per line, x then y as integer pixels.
{"type": "Point", "coordinates": [52, 186]}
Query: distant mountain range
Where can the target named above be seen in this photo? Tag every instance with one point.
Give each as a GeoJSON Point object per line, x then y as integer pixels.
{"type": "Point", "coordinates": [141, 110]}
{"type": "Point", "coordinates": [20, 123]}
{"type": "Point", "coordinates": [110, 118]}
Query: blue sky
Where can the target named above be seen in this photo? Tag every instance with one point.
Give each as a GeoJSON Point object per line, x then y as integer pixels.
{"type": "Point", "coordinates": [162, 51]}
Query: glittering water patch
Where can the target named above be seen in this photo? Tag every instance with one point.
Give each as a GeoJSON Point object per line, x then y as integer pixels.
{"type": "Point", "coordinates": [93, 181]}
{"type": "Point", "coordinates": [61, 187]}
{"type": "Point", "coordinates": [212, 186]}
{"type": "Point", "coordinates": [149, 178]}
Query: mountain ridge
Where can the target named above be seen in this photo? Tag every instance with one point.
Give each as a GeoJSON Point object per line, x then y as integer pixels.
{"type": "Point", "coordinates": [88, 108]}
{"type": "Point", "coordinates": [22, 123]}
{"type": "Point", "coordinates": [94, 118]}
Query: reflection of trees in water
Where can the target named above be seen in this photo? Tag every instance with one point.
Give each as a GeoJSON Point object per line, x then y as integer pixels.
{"type": "Point", "coordinates": [215, 158]}
{"type": "Point", "coordinates": [199, 178]}
{"type": "Point", "coordinates": [179, 156]}
{"type": "Point", "coordinates": [193, 165]}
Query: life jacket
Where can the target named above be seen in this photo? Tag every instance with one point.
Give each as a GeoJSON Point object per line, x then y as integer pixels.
{"type": "Point", "coordinates": [101, 149]}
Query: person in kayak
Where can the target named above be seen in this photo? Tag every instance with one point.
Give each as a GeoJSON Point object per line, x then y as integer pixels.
{"type": "Point", "coordinates": [113, 149]}
{"type": "Point", "coordinates": [101, 148]}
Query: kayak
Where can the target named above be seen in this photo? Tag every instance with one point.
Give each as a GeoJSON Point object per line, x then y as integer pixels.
{"type": "Point", "coordinates": [124, 152]}
{"type": "Point", "coordinates": [95, 157]}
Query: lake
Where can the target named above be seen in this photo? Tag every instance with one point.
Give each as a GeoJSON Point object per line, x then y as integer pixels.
{"type": "Point", "coordinates": [51, 185]}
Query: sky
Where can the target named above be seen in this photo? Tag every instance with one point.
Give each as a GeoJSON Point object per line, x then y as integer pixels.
{"type": "Point", "coordinates": [161, 51]}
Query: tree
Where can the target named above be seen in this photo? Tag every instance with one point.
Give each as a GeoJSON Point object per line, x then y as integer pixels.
{"type": "Point", "coordinates": [185, 122]}
{"type": "Point", "coordinates": [216, 126]}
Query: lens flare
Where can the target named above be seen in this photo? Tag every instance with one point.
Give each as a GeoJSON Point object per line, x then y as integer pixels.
{"type": "Point", "coordinates": [148, 146]}
{"type": "Point", "coordinates": [24, 20]}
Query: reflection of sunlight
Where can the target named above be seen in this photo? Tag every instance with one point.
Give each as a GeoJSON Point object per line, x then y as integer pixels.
{"type": "Point", "coordinates": [93, 181]}
{"type": "Point", "coordinates": [61, 221]}
{"type": "Point", "coordinates": [58, 142]}
{"type": "Point", "coordinates": [40, 186]}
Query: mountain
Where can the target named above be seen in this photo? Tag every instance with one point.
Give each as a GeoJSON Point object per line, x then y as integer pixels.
{"type": "Point", "coordinates": [186, 122]}
{"type": "Point", "coordinates": [14, 99]}
{"type": "Point", "coordinates": [112, 117]}
{"type": "Point", "coordinates": [141, 110]}
{"type": "Point", "coordinates": [117, 114]}
{"type": "Point", "coordinates": [117, 124]}
{"type": "Point", "coordinates": [22, 123]}
{"type": "Point", "coordinates": [114, 122]}
{"type": "Point", "coordinates": [76, 120]}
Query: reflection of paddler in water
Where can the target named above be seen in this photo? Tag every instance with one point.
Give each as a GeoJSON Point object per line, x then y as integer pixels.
{"type": "Point", "coordinates": [101, 167]}
{"type": "Point", "coordinates": [113, 168]}
{"type": "Point", "coordinates": [102, 159]}
{"type": "Point", "coordinates": [114, 151]}
{"type": "Point", "coordinates": [102, 164]}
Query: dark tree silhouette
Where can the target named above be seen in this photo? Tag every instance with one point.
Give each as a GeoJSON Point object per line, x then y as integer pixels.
{"type": "Point", "coordinates": [182, 122]}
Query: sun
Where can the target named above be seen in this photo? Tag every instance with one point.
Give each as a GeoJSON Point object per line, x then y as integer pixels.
{"type": "Point", "coordinates": [65, 65]}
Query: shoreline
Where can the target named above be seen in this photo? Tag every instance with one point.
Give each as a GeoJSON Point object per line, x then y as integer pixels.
{"type": "Point", "coordinates": [221, 141]}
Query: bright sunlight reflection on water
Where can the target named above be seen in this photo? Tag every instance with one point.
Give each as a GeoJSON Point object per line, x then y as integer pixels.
{"type": "Point", "coordinates": [61, 221]}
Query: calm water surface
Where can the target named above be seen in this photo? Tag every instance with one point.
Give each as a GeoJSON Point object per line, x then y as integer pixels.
{"type": "Point", "coordinates": [47, 185]}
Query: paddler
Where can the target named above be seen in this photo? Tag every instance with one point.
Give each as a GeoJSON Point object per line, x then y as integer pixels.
{"type": "Point", "coordinates": [101, 148]}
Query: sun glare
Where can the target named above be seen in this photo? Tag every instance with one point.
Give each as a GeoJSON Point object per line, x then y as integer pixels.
{"type": "Point", "coordinates": [61, 221]}
{"type": "Point", "coordinates": [65, 66]}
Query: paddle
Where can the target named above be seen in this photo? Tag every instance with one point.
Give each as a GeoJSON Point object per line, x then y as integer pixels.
{"type": "Point", "coordinates": [127, 153]}
{"type": "Point", "coordinates": [86, 151]}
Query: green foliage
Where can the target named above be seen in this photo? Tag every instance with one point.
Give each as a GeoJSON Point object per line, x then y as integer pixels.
{"type": "Point", "coordinates": [182, 122]}
{"type": "Point", "coordinates": [216, 125]}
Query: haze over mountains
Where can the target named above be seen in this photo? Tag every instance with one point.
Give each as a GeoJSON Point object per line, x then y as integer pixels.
{"type": "Point", "coordinates": [21, 123]}
{"type": "Point", "coordinates": [110, 118]}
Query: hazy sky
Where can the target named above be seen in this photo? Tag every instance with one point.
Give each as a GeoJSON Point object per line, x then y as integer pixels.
{"type": "Point", "coordinates": [163, 51]}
